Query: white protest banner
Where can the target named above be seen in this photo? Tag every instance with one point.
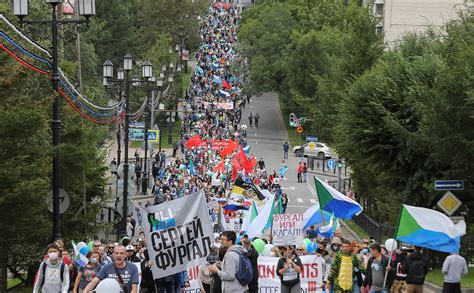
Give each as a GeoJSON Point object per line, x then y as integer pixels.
{"type": "Point", "coordinates": [287, 229]}
{"type": "Point", "coordinates": [178, 233]}
{"type": "Point", "coordinates": [268, 281]}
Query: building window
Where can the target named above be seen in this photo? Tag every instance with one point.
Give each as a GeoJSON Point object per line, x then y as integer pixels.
{"type": "Point", "coordinates": [379, 30]}
{"type": "Point", "coordinates": [378, 9]}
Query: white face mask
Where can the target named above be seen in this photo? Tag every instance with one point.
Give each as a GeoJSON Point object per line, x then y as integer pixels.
{"type": "Point", "coordinates": [93, 260]}
{"type": "Point", "coordinates": [53, 255]}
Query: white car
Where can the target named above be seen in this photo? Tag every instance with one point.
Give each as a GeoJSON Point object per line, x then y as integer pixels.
{"type": "Point", "coordinates": [313, 149]}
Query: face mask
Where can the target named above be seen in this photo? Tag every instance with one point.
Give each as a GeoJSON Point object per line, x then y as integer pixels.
{"type": "Point", "coordinates": [53, 255]}
{"type": "Point", "coordinates": [93, 260]}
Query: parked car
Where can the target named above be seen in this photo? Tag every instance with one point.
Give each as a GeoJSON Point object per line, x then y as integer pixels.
{"type": "Point", "coordinates": [313, 149]}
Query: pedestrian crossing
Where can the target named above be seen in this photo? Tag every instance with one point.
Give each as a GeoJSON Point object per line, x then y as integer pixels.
{"type": "Point", "coordinates": [304, 201]}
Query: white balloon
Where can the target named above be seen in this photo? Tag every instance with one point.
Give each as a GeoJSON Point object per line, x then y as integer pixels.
{"type": "Point", "coordinates": [267, 250]}
{"type": "Point", "coordinates": [81, 245]}
{"type": "Point", "coordinates": [108, 286]}
{"type": "Point", "coordinates": [391, 244]}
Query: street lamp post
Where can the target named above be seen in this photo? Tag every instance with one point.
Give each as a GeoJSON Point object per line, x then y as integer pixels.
{"type": "Point", "coordinates": [170, 122]}
{"type": "Point", "coordinates": [147, 72]}
{"type": "Point", "coordinates": [123, 76]}
{"type": "Point", "coordinates": [87, 9]}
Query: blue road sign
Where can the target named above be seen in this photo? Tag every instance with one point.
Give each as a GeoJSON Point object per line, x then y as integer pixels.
{"type": "Point", "coordinates": [449, 184]}
{"type": "Point", "coordinates": [331, 164]}
{"type": "Point", "coordinates": [311, 138]}
{"type": "Point", "coordinates": [153, 135]}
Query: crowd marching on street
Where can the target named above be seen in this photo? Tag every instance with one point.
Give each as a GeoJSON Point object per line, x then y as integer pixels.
{"type": "Point", "coordinates": [214, 157]}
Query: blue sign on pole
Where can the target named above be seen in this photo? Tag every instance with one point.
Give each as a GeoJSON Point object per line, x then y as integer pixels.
{"type": "Point", "coordinates": [311, 138]}
{"type": "Point", "coordinates": [449, 185]}
{"type": "Point", "coordinates": [331, 164]}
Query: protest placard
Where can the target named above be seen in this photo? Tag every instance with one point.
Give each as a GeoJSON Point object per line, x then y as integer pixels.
{"type": "Point", "coordinates": [178, 233]}
{"type": "Point", "coordinates": [287, 229]}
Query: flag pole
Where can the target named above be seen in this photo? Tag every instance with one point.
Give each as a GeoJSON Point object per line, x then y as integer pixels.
{"type": "Point", "coordinates": [319, 201]}
{"type": "Point", "coordinates": [394, 237]}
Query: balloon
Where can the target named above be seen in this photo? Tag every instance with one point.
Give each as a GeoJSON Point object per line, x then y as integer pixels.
{"type": "Point", "coordinates": [391, 244]}
{"type": "Point", "coordinates": [306, 241]}
{"type": "Point", "coordinates": [311, 247]}
{"type": "Point", "coordinates": [90, 245]}
{"type": "Point", "coordinates": [108, 286]}
{"type": "Point", "coordinates": [181, 167]}
{"type": "Point", "coordinates": [84, 250]}
{"type": "Point", "coordinates": [267, 250]}
{"type": "Point", "coordinates": [259, 245]}
{"type": "Point", "coordinates": [237, 240]}
{"type": "Point", "coordinates": [81, 245]}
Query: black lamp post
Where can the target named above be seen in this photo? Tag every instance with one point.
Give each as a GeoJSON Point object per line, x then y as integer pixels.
{"type": "Point", "coordinates": [87, 9]}
{"type": "Point", "coordinates": [123, 76]}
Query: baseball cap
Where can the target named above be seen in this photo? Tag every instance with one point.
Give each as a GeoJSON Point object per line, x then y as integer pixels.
{"type": "Point", "coordinates": [129, 247]}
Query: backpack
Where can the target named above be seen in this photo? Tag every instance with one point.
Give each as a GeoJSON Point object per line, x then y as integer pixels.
{"type": "Point", "coordinates": [43, 270]}
{"type": "Point", "coordinates": [245, 272]}
{"type": "Point", "coordinates": [417, 272]}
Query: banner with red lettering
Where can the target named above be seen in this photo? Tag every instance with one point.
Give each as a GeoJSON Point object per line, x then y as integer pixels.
{"type": "Point", "coordinates": [268, 282]}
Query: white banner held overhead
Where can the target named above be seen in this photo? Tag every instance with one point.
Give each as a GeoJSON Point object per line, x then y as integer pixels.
{"type": "Point", "coordinates": [178, 233]}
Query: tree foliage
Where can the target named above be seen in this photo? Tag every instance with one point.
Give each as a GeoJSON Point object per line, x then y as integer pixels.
{"type": "Point", "coordinates": [309, 51]}
{"type": "Point", "coordinates": [407, 122]}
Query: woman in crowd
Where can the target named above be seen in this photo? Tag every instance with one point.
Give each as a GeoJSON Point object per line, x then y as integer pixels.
{"type": "Point", "coordinates": [289, 268]}
{"type": "Point", "coordinates": [88, 272]}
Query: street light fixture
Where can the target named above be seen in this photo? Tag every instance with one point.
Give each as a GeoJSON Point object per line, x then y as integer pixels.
{"type": "Point", "coordinates": [170, 78]}
{"type": "Point", "coordinates": [87, 7]}
{"type": "Point", "coordinates": [108, 69]}
{"type": "Point", "coordinates": [176, 48]}
{"type": "Point", "coordinates": [147, 69]}
{"type": "Point", "coordinates": [159, 83]}
{"type": "Point", "coordinates": [20, 9]}
{"type": "Point", "coordinates": [171, 65]}
{"type": "Point", "coordinates": [127, 62]}
{"type": "Point", "coordinates": [162, 75]}
{"type": "Point", "coordinates": [163, 68]}
{"type": "Point", "coordinates": [120, 74]}
{"type": "Point", "coordinates": [135, 80]}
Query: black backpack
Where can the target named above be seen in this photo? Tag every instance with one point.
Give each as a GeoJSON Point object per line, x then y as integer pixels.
{"type": "Point", "coordinates": [417, 272]}
{"type": "Point", "coordinates": [43, 270]}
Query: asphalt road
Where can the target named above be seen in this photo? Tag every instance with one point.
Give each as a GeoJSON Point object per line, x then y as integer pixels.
{"type": "Point", "coordinates": [267, 142]}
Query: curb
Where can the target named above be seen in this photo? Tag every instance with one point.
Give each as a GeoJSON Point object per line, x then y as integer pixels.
{"type": "Point", "coordinates": [436, 288]}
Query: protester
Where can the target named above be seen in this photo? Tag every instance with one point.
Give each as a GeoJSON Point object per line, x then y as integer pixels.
{"type": "Point", "coordinates": [256, 118]}
{"type": "Point", "coordinates": [147, 284]}
{"type": "Point", "coordinates": [230, 265]}
{"type": "Point", "coordinates": [88, 272]}
{"type": "Point", "coordinates": [53, 273]}
{"type": "Point", "coordinates": [343, 268]}
{"type": "Point", "coordinates": [125, 272]}
{"type": "Point", "coordinates": [299, 173]}
{"type": "Point", "coordinates": [416, 268]}
{"type": "Point", "coordinates": [252, 255]}
{"type": "Point", "coordinates": [454, 267]}
{"type": "Point", "coordinates": [289, 268]}
{"type": "Point", "coordinates": [376, 270]}
{"type": "Point", "coordinates": [286, 147]}
{"type": "Point", "coordinates": [204, 278]}
{"type": "Point", "coordinates": [131, 256]}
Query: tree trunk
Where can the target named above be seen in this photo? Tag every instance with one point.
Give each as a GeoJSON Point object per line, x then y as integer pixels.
{"type": "Point", "coordinates": [3, 272]}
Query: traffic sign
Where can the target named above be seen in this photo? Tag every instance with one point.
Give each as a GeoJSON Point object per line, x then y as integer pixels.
{"type": "Point", "coordinates": [449, 185]}
{"type": "Point", "coordinates": [154, 135]}
{"type": "Point", "coordinates": [311, 138]}
{"type": "Point", "coordinates": [299, 129]}
{"type": "Point", "coordinates": [64, 201]}
{"type": "Point", "coordinates": [449, 203]}
{"type": "Point", "coordinates": [331, 164]}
